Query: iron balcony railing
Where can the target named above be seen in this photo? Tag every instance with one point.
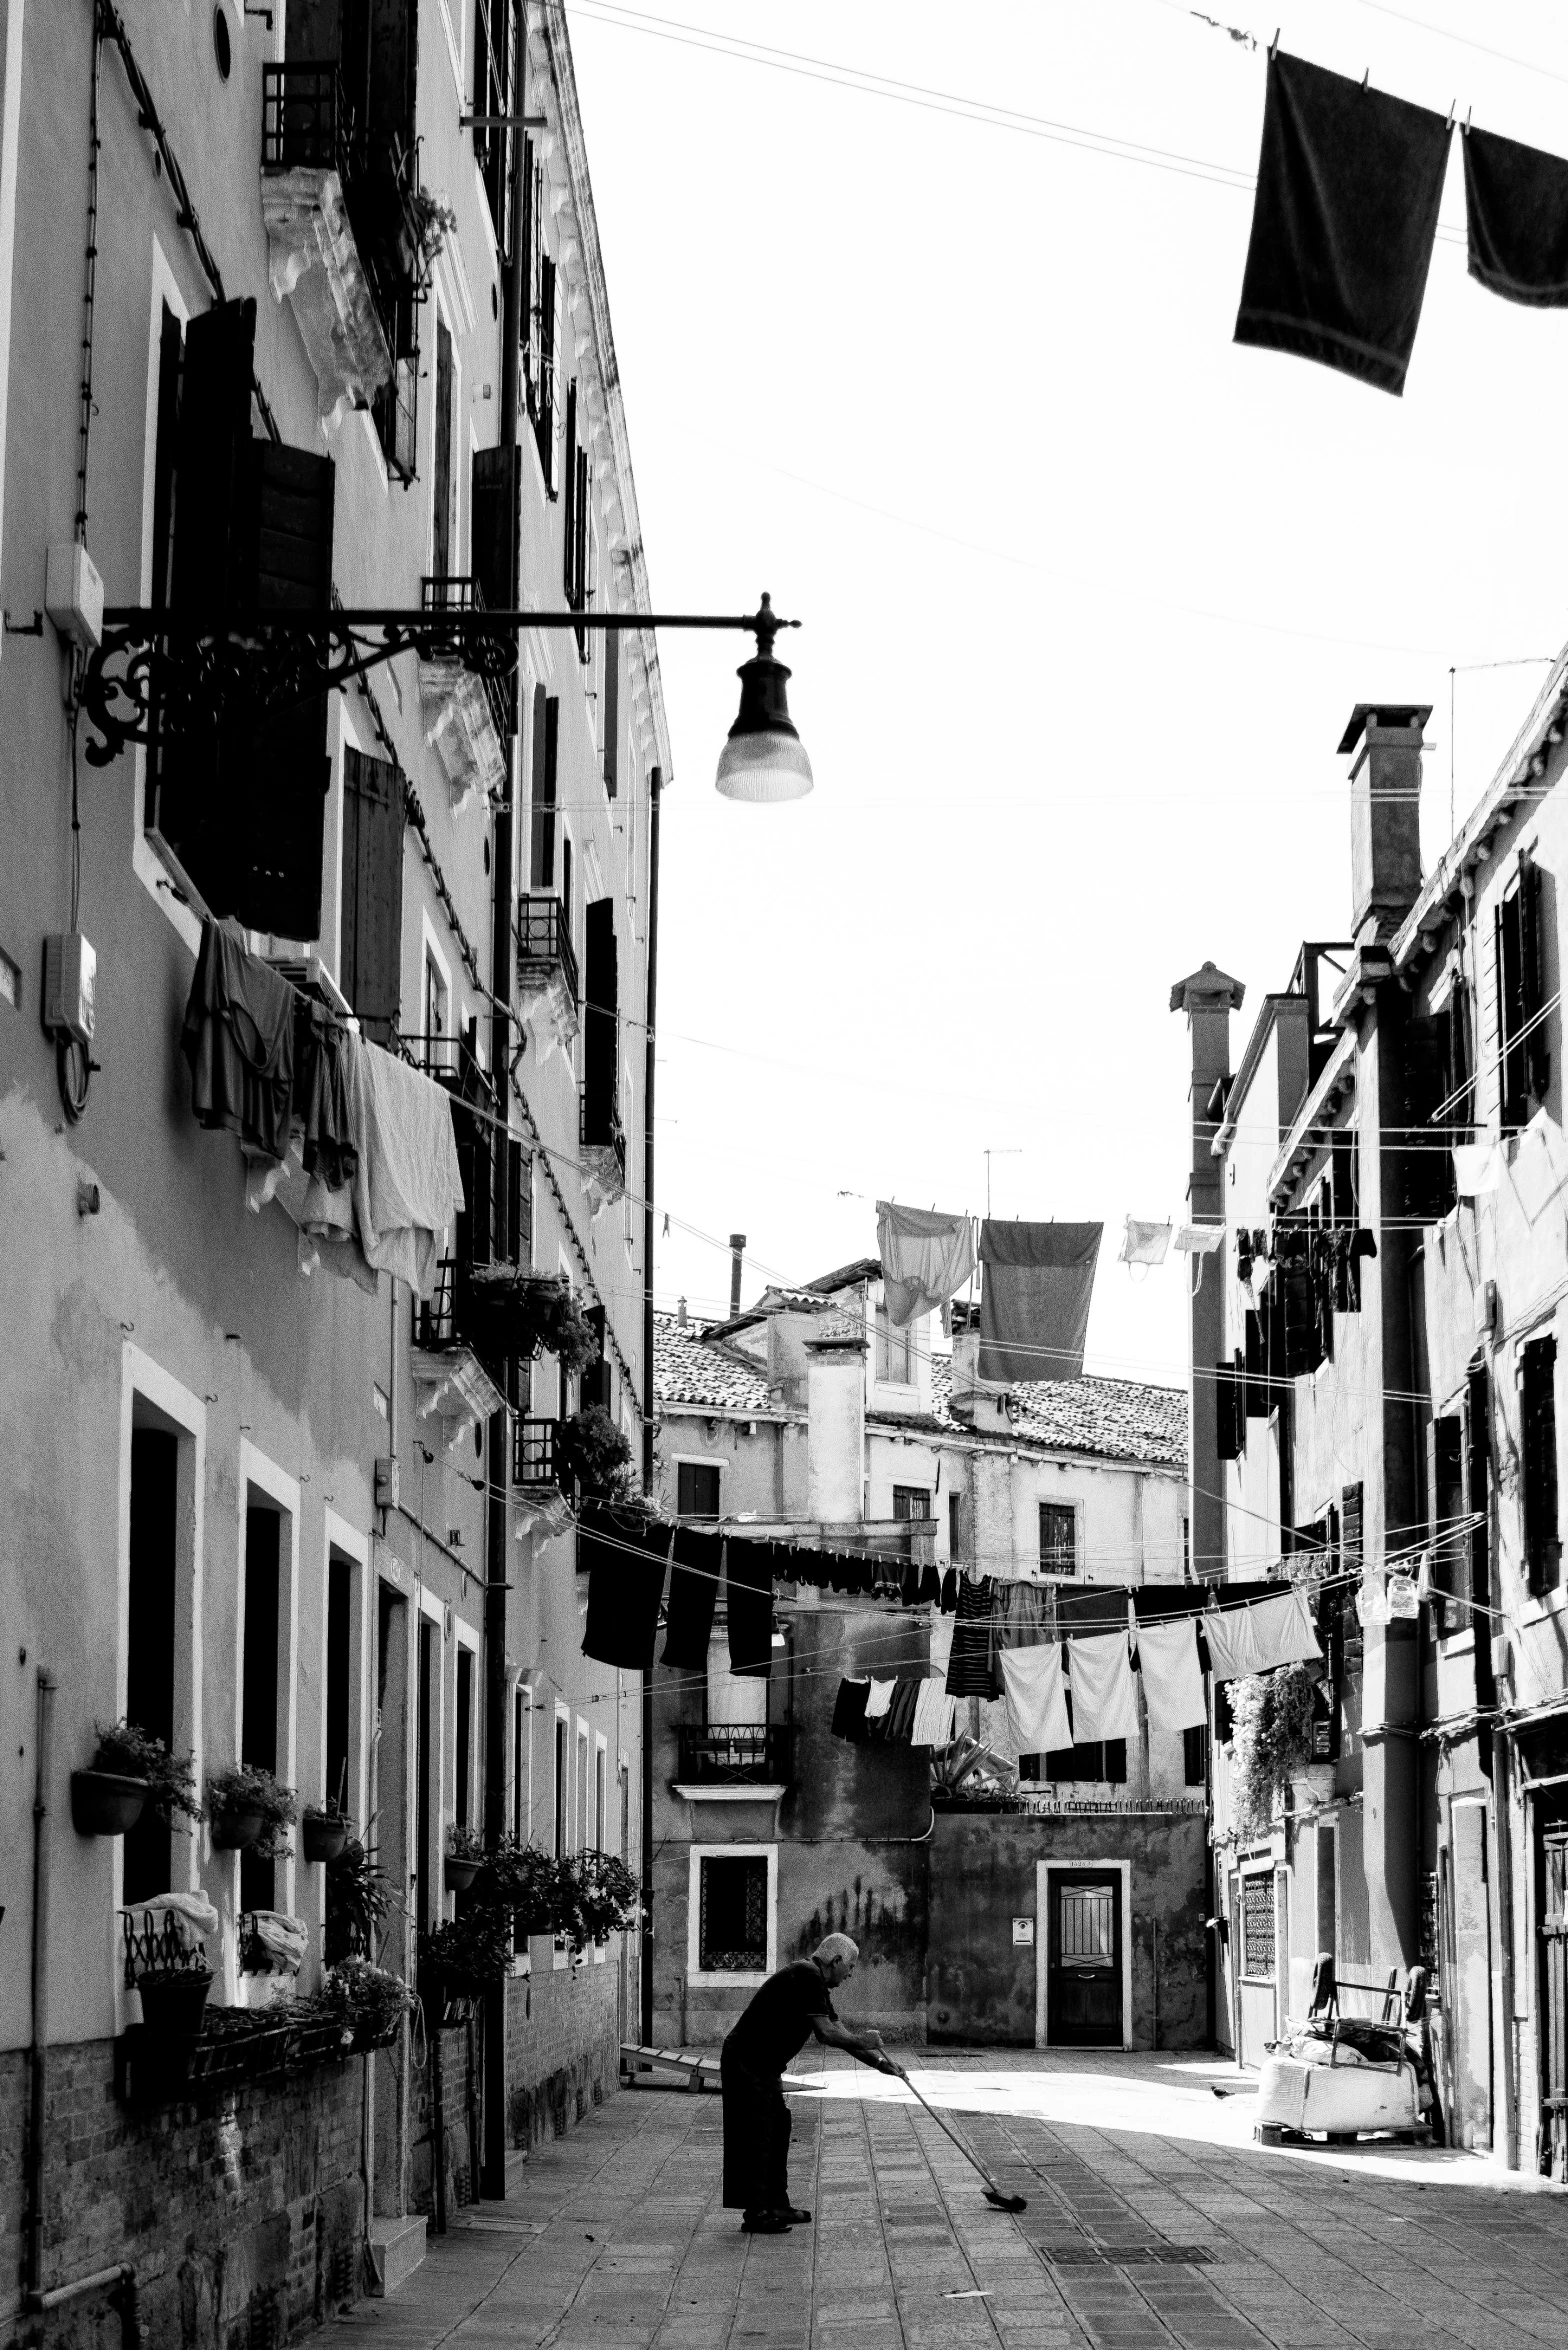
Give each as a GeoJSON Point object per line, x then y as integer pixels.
{"type": "Point", "coordinates": [452, 593]}
{"type": "Point", "coordinates": [544, 942]}
{"type": "Point", "coordinates": [608, 1132]}
{"type": "Point", "coordinates": [304, 121]}
{"type": "Point", "coordinates": [759, 1751]}
{"type": "Point", "coordinates": [536, 1453]}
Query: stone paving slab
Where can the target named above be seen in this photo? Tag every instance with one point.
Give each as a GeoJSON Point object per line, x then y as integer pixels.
{"type": "Point", "coordinates": [615, 2236]}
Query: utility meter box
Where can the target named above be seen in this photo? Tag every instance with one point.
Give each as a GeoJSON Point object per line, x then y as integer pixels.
{"type": "Point", "coordinates": [70, 976]}
{"type": "Point", "coordinates": [73, 594]}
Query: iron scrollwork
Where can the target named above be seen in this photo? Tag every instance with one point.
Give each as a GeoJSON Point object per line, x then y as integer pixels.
{"type": "Point", "coordinates": [155, 677]}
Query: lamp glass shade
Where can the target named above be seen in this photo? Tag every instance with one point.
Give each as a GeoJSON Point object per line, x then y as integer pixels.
{"type": "Point", "coordinates": [764, 767]}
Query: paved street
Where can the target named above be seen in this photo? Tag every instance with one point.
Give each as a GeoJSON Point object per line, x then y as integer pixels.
{"type": "Point", "coordinates": [1131, 2166]}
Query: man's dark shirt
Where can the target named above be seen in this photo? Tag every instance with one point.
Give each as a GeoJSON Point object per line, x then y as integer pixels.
{"type": "Point", "coordinates": [777, 2024]}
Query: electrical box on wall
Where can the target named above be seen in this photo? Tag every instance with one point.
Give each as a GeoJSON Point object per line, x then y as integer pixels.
{"type": "Point", "coordinates": [70, 977]}
{"type": "Point", "coordinates": [73, 594]}
{"type": "Point", "coordinates": [387, 1487]}
{"type": "Point", "coordinates": [1485, 1308]}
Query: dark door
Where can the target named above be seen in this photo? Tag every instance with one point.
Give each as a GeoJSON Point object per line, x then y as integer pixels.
{"type": "Point", "coordinates": [1552, 1910]}
{"type": "Point", "coordinates": [1084, 1979]}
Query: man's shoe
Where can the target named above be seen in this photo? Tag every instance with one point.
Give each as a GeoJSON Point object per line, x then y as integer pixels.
{"type": "Point", "coordinates": [799, 2219]}
{"type": "Point", "coordinates": [765, 2223]}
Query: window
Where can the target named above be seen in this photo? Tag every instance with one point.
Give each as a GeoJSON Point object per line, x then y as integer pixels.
{"type": "Point", "coordinates": [426, 1903]}
{"type": "Point", "coordinates": [1445, 1485]}
{"type": "Point", "coordinates": [1523, 1055]}
{"type": "Point", "coordinates": [259, 1692]}
{"type": "Point", "coordinates": [563, 1784]}
{"type": "Point", "coordinates": [582, 1790]}
{"type": "Point", "coordinates": [732, 1935]}
{"type": "Point", "coordinates": [1195, 1756]}
{"type": "Point", "coordinates": [600, 1769]}
{"type": "Point", "coordinates": [1257, 1923]}
{"type": "Point", "coordinates": [149, 1676]}
{"type": "Point", "coordinates": [436, 1002]}
{"type": "Point", "coordinates": [1477, 1498]}
{"type": "Point", "coordinates": [736, 1701]}
{"type": "Point", "coordinates": [522, 1766]}
{"type": "Point", "coordinates": [1058, 1538]}
{"type": "Point", "coordinates": [1105, 1763]}
{"type": "Point", "coordinates": [546, 750]}
{"type": "Point", "coordinates": [959, 1545]}
{"type": "Point", "coordinates": [895, 1352]}
{"type": "Point", "coordinates": [494, 37]}
{"type": "Point", "coordinates": [441, 482]}
{"type": "Point", "coordinates": [463, 1741]}
{"type": "Point", "coordinates": [696, 1489]}
{"type": "Point", "coordinates": [1538, 1422]}
{"type": "Point", "coordinates": [370, 936]}
{"type": "Point", "coordinates": [612, 713]}
{"type": "Point", "coordinates": [544, 414]}
{"type": "Point", "coordinates": [340, 1680]}
{"type": "Point", "coordinates": [601, 1118]}
{"type": "Point", "coordinates": [911, 1501]}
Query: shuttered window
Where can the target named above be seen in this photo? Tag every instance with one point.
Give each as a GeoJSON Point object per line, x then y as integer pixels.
{"type": "Point", "coordinates": [1538, 1419]}
{"type": "Point", "coordinates": [612, 712]}
{"type": "Point", "coordinates": [601, 1023]}
{"type": "Point", "coordinates": [494, 51]}
{"type": "Point", "coordinates": [1105, 1764]}
{"type": "Point", "coordinates": [895, 1351]}
{"type": "Point", "coordinates": [545, 419]}
{"type": "Point", "coordinates": [495, 526]}
{"type": "Point", "coordinates": [911, 1501]}
{"type": "Point", "coordinates": [546, 739]}
{"type": "Point", "coordinates": [1524, 1057]}
{"type": "Point", "coordinates": [441, 483]}
{"type": "Point", "coordinates": [569, 477]}
{"type": "Point", "coordinates": [696, 1489]}
{"type": "Point", "coordinates": [1478, 1504]}
{"type": "Point", "coordinates": [370, 960]}
{"type": "Point", "coordinates": [1445, 1486]}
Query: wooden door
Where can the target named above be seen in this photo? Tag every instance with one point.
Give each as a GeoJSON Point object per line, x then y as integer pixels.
{"type": "Point", "coordinates": [1084, 1978]}
{"type": "Point", "coordinates": [1552, 1900]}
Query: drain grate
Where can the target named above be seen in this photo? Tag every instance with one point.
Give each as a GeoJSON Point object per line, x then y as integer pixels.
{"type": "Point", "coordinates": [1126, 2255]}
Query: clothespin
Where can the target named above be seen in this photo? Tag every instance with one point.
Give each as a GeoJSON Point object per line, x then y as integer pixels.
{"type": "Point", "coordinates": [1274, 46]}
{"type": "Point", "coordinates": [1366, 77]}
{"type": "Point", "coordinates": [1452, 111]}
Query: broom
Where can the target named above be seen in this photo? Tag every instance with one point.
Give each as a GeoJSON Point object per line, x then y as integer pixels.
{"type": "Point", "coordinates": [993, 2193]}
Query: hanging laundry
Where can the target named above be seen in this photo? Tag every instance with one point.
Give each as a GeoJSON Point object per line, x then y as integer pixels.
{"type": "Point", "coordinates": [694, 1592]}
{"type": "Point", "coordinates": [1321, 1265]}
{"type": "Point", "coordinates": [969, 1665]}
{"type": "Point", "coordinates": [1036, 1698]}
{"type": "Point", "coordinates": [1172, 1677]}
{"type": "Point", "coordinates": [1516, 210]}
{"type": "Point", "coordinates": [930, 1594]}
{"type": "Point", "coordinates": [849, 1711]}
{"type": "Point", "coordinates": [748, 1598]}
{"type": "Point", "coordinates": [1104, 1702]}
{"type": "Point", "coordinates": [1259, 1402]}
{"type": "Point", "coordinates": [1144, 1244]}
{"type": "Point", "coordinates": [1018, 1620]}
{"type": "Point", "coordinates": [1349, 183]}
{"type": "Point", "coordinates": [950, 1591]}
{"type": "Point", "coordinates": [1198, 1240]}
{"type": "Point", "coordinates": [238, 1039]}
{"type": "Point", "coordinates": [926, 1257]}
{"type": "Point", "coordinates": [1477, 1169]}
{"type": "Point", "coordinates": [879, 1698]}
{"type": "Point", "coordinates": [1351, 1246]}
{"type": "Point", "coordinates": [408, 1187]}
{"type": "Point", "coordinates": [941, 1643]}
{"type": "Point", "coordinates": [625, 1585]}
{"type": "Point", "coordinates": [899, 1721]}
{"type": "Point", "coordinates": [996, 1726]}
{"type": "Point", "coordinates": [1034, 1304]}
{"type": "Point", "coordinates": [320, 1106]}
{"type": "Point", "coordinates": [1265, 1633]}
{"type": "Point", "coordinates": [933, 1722]}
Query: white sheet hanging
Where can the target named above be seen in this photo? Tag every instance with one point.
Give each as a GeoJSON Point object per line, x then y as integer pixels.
{"type": "Point", "coordinates": [1172, 1676]}
{"type": "Point", "coordinates": [1036, 1698]}
{"type": "Point", "coordinates": [1105, 1704]}
{"type": "Point", "coordinates": [1261, 1635]}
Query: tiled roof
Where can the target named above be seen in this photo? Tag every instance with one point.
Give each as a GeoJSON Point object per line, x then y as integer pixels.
{"type": "Point", "coordinates": [1114, 1419]}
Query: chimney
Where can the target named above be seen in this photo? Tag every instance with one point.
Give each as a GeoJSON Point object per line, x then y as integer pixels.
{"type": "Point", "coordinates": [1208, 997]}
{"type": "Point", "coordinates": [680, 1313]}
{"type": "Point", "coordinates": [1385, 811]}
{"type": "Point", "coordinates": [836, 1423]}
{"type": "Point", "coordinates": [737, 1251]}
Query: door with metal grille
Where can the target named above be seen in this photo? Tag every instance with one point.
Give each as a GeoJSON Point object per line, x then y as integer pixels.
{"type": "Point", "coordinates": [1552, 1884]}
{"type": "Point", "coordinates": [1256, 1959]}
{"type": "Point", "coordinates": [1084, 1982]}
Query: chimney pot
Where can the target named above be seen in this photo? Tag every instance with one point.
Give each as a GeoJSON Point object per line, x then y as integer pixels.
{"type": "Point", "coordinates": [680, 1313]}
{"type": "Point", "coordinates": [737, 1251]}
{"type": "Point", "coordinates": [1385, 810]}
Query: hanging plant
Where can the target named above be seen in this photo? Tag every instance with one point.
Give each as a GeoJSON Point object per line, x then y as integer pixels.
{"type": "Point", "coordinates": [594, 1453]}
{"type": "Point", "coordinates": [250, 1810]}
{"type": "Point", "coordinates": [526, 1884]}
{"type": "Point", "coordinates": [1271, 1716]}
{"type": "Point", "coordinates": [466, 1954]}
{"type": "Point", "coordinates": [606, 1897]}
{"type": "Point", "coordinates": [324, 1831]}
{"type": "Point", "coordinates": [431, 221]}
{"type": "Point", "coordinates": [358, 1898]}
{"type": "Point", "coordinates": [127, 1753]}
{"type": "Point", "coordinates": [464, 1851]}
{"type": "Point", "coordinates": [370, 2002]}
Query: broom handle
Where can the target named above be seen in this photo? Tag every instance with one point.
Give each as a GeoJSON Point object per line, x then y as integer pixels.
{"type": "Point", "coordinates": [948, 2131]}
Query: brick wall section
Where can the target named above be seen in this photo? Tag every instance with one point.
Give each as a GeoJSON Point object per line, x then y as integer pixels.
{"type": "Point", "coordinates": [562, 2043]}
{"type": "Point", "coordinates": [462, 2112]}
{"type": "Point", "coordinates": [242, 2215]}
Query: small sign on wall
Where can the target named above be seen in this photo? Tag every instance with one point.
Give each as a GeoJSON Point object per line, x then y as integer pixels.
{"type": "Point", "coordinates": [1023, 1933]}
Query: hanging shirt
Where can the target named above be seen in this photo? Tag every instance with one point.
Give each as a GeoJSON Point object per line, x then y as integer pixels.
{"type": "Point", "coordinates": [880, 1698]}
{"type": "Point", "coordinates": [1266, 1633]}
{"type": "Point", "coordinates": [969, 1664]}
{"type": "Point", "coordinates": [849, 1711]}
{"type": "Point", "coordinates": [1144, 1244]}
{"type": "Point", "coordinates": [926, 1257]}
{"type": "Point", "coordinates": [1104, 1702]}
{"type": "Point", "coordinates": [238, 1039]}
{"type": "Point", "coordinates": [1172, 1677]}
{"type": "Point", "coordinates": [933, 1722]}
{"type": "Point", "coordinates": [1349, 182]}
{"type": "Point", "coordinates": [1036, 1699]}
{"type": "Point", "coordinates": [408, 1186]}
{"type": "Point", "coordinates": [1034, 1304]}
{"type": "Point", "coordinates": [1516, 210]}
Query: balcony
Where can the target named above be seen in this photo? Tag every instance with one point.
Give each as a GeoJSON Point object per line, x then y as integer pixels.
{"type": "Point", "coordinates": [601, 1150]}
{"type": "Point", "coordinates": [314, 260]}
{"type": "Point", "coordinates": [752, 1754]}
{"type": "Point", "coordinates": [465, 715]}
{"type": "Point", "coordinates": [547, 980]}
{"type": "Point", "coordinates": [537, 1473]}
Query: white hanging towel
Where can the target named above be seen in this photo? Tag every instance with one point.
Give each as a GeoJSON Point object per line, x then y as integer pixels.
{"type": "Point", "coordinates": [1198, 1240]}
{"type": "Point", "coordinates": [1144, 1244]}
{"type": "Point", "coordinates": [1172, 1675]}
{"type": "Point", "coordinates": [1036, 1698]}
{"type": "Point", "coordinates": [941, 1644]}
{"type": "Point", "coordinates": [1265, 1633]}
{"type": "Point", "coordinates": [1104, 1703]}
{"type": "Point", "coordinates": [880, 1699]}
{"type": "Point", "coordinates": [996, 1723]}
{"type": "Point", "coordinates": [1476, 1168]}
{"type": "Point", "coordinates": [933, 1723]}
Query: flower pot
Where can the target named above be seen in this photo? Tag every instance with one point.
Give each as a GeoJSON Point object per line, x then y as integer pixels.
{"type": "Point", "coordinates": [460, 1874]}
{"type": "Point", "coordinates": [238, 1830]}
{"type": "Point", "coordinates": [173, 2000]}
{"type": "Point", "coordinates": [323, 1839]}
{"type": "Point", "coordinates": [104, 1803]}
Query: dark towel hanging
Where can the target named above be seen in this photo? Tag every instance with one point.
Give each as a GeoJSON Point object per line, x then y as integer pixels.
{"type": "Point", "coordinates": [625, 1585]}
{"type": "Point", "coordinates": [694, 1591]}
{"type": "Point", "coordinates": [1516, 210]}
{"type": "Point", "coordinates": [748, 1597]}
{"type": "Point", "coordinates": [930, 1586]}
{"type": "Point", "coordinates": [1349, 182]}
{"type": "Point", "coordinates": [909, 1583]}
{"type": "Point", "coordinates": [849, 1711]}
{"type": "Point", "coordinates": [950, 1591]}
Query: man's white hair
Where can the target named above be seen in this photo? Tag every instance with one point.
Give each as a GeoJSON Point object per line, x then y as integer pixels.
{"type": "Point", "coordinates": [836, 1946]}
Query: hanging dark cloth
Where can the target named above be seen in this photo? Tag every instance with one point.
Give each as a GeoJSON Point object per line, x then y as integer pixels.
{"type": "Point", "coordinates": [909, 1583]}
{"type": "Point", "coordinates": [320, 1097]}
{"type": "Point", "coordinates": [1349, 182]}
{"type": "Point", "coordinates": [1034, 1305]}
{"type": "Point", "coordinates": [930, 1594]}
{"type": "Point", "coordinates": [969, 1661]}
{"type": "Point", "coordinates": [1321, 1266]}
{"type": "Point", "coordinates": [1018, 1620]}
{"type": "Point", "coordinates": [1244, 1254]}
{"type": "Point", "coordinates": [1516, 209]}
{"type": "Point", "coordinates": [694, 1592]}
{"type": "Point", "coordinates": [748, 1596]}
{"type": "Point", "coordinates": [899, 1721]}
{"type": "Point", "coordinates": [1350, 1248]}
{"type": "Point", "coordinates": [238, 1039]}
{"type": "Point", "coordinates": [849, 1711]}
{"type": "Point", "coordinates": [1099, 1607]}
{"type": "Point", "coordinates": [1258, 1400]}
{"type": "Point", "coordinates": [625, 1567]}
{"type": "Point", "coordinates": [950, 1591]}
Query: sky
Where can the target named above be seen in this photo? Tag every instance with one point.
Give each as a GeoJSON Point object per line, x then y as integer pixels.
{"type": "Point", "coordinates": [1087, 591]}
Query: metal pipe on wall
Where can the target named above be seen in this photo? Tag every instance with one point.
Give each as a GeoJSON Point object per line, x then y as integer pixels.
{"type": "Point", "coordinates": [40, 2004]}
{"type": "Point", "coordinates": [655, 794]}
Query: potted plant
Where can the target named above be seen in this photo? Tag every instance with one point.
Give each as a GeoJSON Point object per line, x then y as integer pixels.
{"type": "Point", "coordinates": [369, 2002]}
{"type": "Point", "coordinates": [431, 220]}
{"type": "Point", "coordinates": [173, 2000]}
{"type": "Point", "coordinates": [129, 1771]}
{"type": "Point", "coordinates": [607, 1897]}
{"type": "Point", "coordinates": [593, 1452]}
{"type": "Point", "coordinates": [527, 1884]}
{"type": "Point", "coordinates": [250, 1811]}
{"type": "Point", "coordinates": [323, 1831]}
{"type": "Point", "coordinates": [358, 1898]}
{"type": "Point", "coordinates": [464, 1852]}
{"type": "Point", "coordinates": [465, 1955]}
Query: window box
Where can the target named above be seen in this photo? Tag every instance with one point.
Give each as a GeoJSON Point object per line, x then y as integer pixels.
{"type": "Point", "coordinates": [104, 1803]}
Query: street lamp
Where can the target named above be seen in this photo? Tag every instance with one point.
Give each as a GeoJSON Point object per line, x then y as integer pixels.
{"type": "Point", "coordinates": [764, 758]}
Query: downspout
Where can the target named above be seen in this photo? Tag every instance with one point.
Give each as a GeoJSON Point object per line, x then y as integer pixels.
{"type": "Point", "coordinates": [39, 2060]}
{"type": "Point", "coordinates": [492, 2175]}
{"type": "Point", "coordinates": [655, 792]}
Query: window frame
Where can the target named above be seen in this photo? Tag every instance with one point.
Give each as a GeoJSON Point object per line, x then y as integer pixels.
{"type": "Point", "coordinates": [689, 1467]}
{"type": "Point", "coordinates": [891, 1342]}
{"type": "Point", "coordinates": [1070, 1509]}
{"type": "Point", "coordinates": [718, 1978]}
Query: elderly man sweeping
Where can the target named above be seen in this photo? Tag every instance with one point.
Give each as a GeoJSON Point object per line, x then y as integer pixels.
{"type": "Point", "coordinates": [789, 2008]}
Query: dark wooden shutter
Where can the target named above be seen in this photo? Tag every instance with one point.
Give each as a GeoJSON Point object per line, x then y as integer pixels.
{"type": "Point", "coordinates": [545, 433]}
{"type": "Point", "coordinates": [1258, 1401]}
{"type": "Point", "coordinates": [1428, 1169]}
{"type": "Point", "coordinates": [171, 357]}
{"type": "Point", "coordinates": [518, 1203]}
{"type": "Point", "coordinates": [612, 711]}
{"type": "Point", "coordinates": [601, 992]}
{"type": "Point", "coordinates": [289, 510]}
{"type": "Point", "coordinates": [1511, 1013]}
{"type": "Point", "coordinates": [525, 324]}
{"type": "Point", "coordinates": [569, 476]}
{"type": "Point", "coordinates": [1532, 982]}
{"type": "Point", "coordinates": [1445, 1490]}
{"type": "Point", "coordinates": [1478, 1500]}
{"type": "Point", "coordinates": [370, 965]}
{"type": "Point", "coordinates": [1538, 1413]}
{"type": "Point", "coordinates": [547, 735]}
{"type": "Point", "coordinates": [495, 527]}
{"type": "Point", "coordinates": [214, 437]}
{"type": "Point", "coordinates": [441, 550]}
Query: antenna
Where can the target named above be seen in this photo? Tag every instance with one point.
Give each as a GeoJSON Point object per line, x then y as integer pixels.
{"type": "Point", "coordinates": [988, 1156]}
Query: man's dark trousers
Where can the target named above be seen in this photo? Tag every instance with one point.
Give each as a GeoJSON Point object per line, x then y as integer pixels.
{"type": "Point", "coordinates": [756, 2139]}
